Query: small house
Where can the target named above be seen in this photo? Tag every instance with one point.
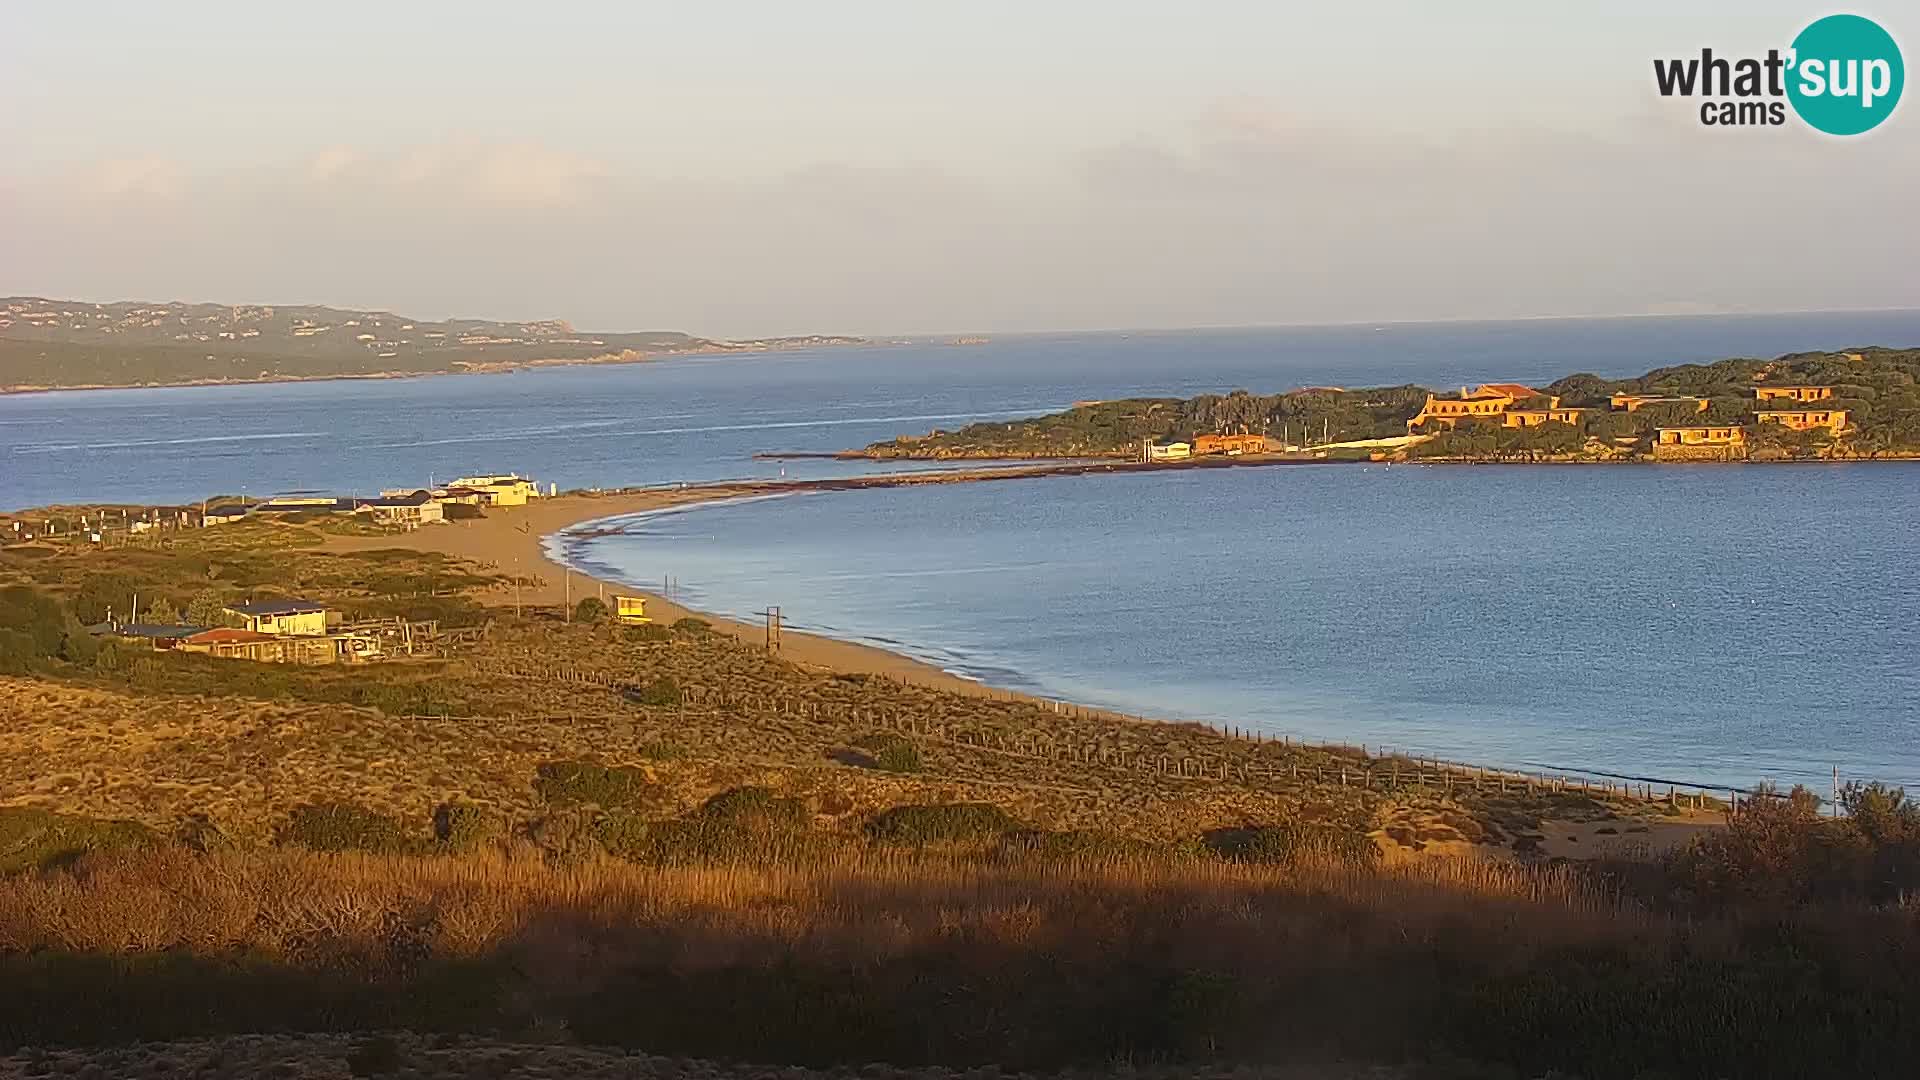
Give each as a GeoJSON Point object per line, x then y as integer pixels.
{"type": "Point", "coordinates": [294, 617]}
{"type": "Point", "coordinates": [1231, 445]}
{"type": "Point", "coordinates": [1520, 418]}
{"type": "Point", "coordinates": [499, 489]}
{"type": "Point", "coordinates": [1801, 394]}
{"type": "Point", "coordinates": [1635, 402]}
{"type": "Point", "coordinates": [1699, 442]}
{"type": "Point", "coordinates": [408, 510]}
{"type": "Point", "coordinates": [1834, 420]}
{"type": "Point", "coordinates": [631, 610]}
{"type": "Point", "coordinates": [1169, 451]}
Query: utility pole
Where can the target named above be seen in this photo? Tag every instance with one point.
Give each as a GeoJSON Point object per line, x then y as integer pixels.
{"type": "Point", "coordinates": [567, 574]}
{"type": "Point", "coordinates": [772, 615]}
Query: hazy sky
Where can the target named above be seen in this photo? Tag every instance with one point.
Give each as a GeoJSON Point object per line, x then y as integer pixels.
{"type": "Point", "coordinates": [735, 168]}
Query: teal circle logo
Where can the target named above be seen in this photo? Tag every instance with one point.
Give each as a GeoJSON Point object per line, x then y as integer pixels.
{"type": "Point", "coordinates": [1845, 75]}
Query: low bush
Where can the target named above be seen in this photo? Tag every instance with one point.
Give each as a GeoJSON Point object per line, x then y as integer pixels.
{"type": "Point", "coordinates": [463, 826]}
{"type": "Point", "coordinates": [690, 625]}
{"type": "Point", "coordinates": [663, 692]}
{"type": "Point", "coordinates": [891, 753]}
{"type": "Point", "coordinates": [645, 632]}
{"type": "Point", "coordinates": [748, 824]}
{"type": "Point", "coordinates": [941, 822]}
{"type": "Point", "coordinates": [339, 826]}
{"type": "Point", "coordinates": [590, 610]}
{"type": "Point", "coordinates": [1283, 844]}
{"type": "Point", "coordinates": [583, 783]}
{"type": "Point", "coordinates": [33, 839]}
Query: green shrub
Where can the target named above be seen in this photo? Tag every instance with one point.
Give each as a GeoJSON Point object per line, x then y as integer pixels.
{"type": "Point", "coordinates": [35, 614]}
{"type": "Point", "coordinates": [19, 654]}
{"type": "Point", "coordinates": [33, 839]}
{"type": "Point", "coordinates": [663, 692]}
{"type": "Point", "coordinates": [100, 594]}
{"type": "Point", "coordinates": [691, 625]}
{"type": "Point", "coordinates": [583, 783]}
{"type": "Point", "coordinates": [639, 635]}
{"type": "Point", "coordinates": [754, 807]}
{"type": "Point", "coordinates": [590, 610]}
{"type": "Point", "coordinates": [207, 608]}
{"type": "Point", "coordinates": [748, 824]}
{"type": "Point", "coordinates": [1282, 844]}
{"type": "Point", "coordinates": [107, 658]}
{"type": "Point", "coordinates": [939, 822]}
{"type": "Point", "coordinates": [337, 826]}
{"type": "Point", "coordinates": [461, 826]}
{"type": "Point", "coordinates": [891, 753]}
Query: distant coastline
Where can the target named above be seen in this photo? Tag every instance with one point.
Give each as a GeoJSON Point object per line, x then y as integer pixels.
{"type": "Point", "coordinates": [494, 367]}
{"type": "Point", "coordinates": [51, 344]}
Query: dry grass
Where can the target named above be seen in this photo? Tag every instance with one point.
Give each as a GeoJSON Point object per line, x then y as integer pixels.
{"type": "Point", "coordinates": [116, 746]}
{"type": "Point", "coordinates": [442, 1057]}
{"type": "Point", "coordinates": [924, 958]}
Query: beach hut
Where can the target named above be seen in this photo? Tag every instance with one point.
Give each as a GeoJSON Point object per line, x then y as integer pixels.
{"type": "Point", "coordinates": [630, 609]}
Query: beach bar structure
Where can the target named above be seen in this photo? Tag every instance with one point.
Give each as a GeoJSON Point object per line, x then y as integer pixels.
{"type": "Point", "coordinates": [631, 610]}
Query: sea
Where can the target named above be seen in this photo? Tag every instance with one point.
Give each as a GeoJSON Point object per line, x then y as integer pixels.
{"type": "Point", "coordinates": [1709, 625]}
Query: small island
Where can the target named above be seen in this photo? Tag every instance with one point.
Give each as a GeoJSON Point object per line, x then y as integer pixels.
{"type": "Point", "coordinates": [1861, 404]}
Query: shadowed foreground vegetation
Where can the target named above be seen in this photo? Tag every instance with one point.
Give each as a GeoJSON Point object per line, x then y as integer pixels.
{"type": "Point", "coordinates": [917, 956]}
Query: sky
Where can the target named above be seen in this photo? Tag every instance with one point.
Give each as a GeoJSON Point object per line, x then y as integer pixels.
{"type": "Point", "coordinates": [730, 168]}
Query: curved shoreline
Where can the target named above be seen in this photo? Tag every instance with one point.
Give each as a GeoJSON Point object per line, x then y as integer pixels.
{"type": "Point", "coordinates": [516, 541]}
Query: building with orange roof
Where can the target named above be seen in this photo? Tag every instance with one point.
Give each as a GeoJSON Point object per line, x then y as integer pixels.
{"type": "Point", "coordinates": [1232, 445]}
{"type": "Point", "coordinates": [1486, 402]}
{"type": "Point", "coordinates": [1636, 402]}
{"type": "Point", "coordinates": [1801, 394]}
{"type": "Point", "coordinates": [1834, 420]}
{"type": "Point", "coordinates": [1699, 442]}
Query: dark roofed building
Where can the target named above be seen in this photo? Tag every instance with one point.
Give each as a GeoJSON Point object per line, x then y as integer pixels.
{"type": "Point", "coordinates": [415, 508]}
{"type": "Point", "coordinates": [159, 635]}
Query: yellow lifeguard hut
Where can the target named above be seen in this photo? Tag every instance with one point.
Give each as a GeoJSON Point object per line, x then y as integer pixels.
{"type": "Point", "coordinates": [630, 609]}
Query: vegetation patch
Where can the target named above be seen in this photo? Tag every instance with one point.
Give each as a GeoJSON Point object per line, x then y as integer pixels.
{"type": "Point", "coordinates": [891, 753]}
{"type": "Point", "coordinates": [339, 826]}
{"type": "Point", "coordinates": [584, 783]}
{"type": "Point", "coordinates": [33, 839]}
{"type": "Point", "coordinates": [941, 823]}
{"type": "Point", "coordinates": [1284, 844]}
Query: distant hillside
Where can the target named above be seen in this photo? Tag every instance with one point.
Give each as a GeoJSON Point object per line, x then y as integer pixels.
{"type": "Point", "coordinates": [47, 344]}
{"type": "Point", "coordinates": [1878, 388]}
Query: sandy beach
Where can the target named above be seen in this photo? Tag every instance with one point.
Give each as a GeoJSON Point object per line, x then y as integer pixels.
{"type": "Point", "coordinates": [512, 541]}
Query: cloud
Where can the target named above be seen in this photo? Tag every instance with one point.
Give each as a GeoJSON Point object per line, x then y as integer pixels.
{"type": "Point", "coordinates": [1241, 216]}
{"type": "Point", "coordinates": [149, 176]}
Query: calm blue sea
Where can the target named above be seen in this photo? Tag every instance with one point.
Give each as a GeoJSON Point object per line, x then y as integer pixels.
{"type": "Point", "coordinates": [1706, 624]}
{"type": "Point", "coordinates": [1711, 624]}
